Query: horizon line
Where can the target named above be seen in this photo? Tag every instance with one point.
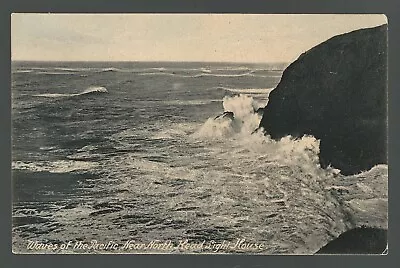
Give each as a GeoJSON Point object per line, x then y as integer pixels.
{"type": "Point", "coordinates": [166, 61]}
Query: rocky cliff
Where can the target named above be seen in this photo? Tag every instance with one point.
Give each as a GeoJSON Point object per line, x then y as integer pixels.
{"type": "Point", "coordinates": [337, 92]}
{"type": "Point", "coordinates": [362, 240]}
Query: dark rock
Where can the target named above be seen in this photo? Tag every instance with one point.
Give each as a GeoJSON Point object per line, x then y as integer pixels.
{"type": "Point", "coordinates": [229, 115]}
{"type": "Point", "coordinates": [361, 240]}
{"type": "Point", "coordinates": [260, 111]}
{"type": "Point", "coordinates": [337, 92]}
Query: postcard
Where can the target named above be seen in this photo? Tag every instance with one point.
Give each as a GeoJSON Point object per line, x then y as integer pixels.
{"type": "Point", "coordinates": [199, 134]}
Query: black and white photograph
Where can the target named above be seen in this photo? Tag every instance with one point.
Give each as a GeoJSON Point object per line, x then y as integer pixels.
{"type": "Point", "coordinates": [250, 134]}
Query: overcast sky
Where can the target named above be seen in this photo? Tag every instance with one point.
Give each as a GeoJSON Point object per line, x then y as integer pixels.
{"type": "Point", "coordinates": [175, 37]}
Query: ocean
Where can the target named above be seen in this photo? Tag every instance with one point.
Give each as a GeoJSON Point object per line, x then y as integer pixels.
{"type": "Point", "coordinates": [131, 153]}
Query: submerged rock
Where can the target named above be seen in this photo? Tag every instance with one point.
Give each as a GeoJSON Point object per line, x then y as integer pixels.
{"type": "Point", "coordinates": [337, 92]}
{"type": "Point", "coordinates": [229, 115]}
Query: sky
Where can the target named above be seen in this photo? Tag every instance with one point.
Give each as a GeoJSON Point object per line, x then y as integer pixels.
{"type": "Point", "coordinates": [175, 37]}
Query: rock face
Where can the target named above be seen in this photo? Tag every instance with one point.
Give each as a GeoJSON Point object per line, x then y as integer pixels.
{"type": "Point", "coordinates": [337, 92]}
{"type": "Point", "coordinates": [360, 240]}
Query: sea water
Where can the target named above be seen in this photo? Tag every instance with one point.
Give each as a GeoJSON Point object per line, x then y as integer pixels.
{"type": "Point", "coordinates": [131, 154]}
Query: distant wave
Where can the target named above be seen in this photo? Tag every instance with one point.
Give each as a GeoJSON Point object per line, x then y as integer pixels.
{"type": "Point", "coordinates": [111, 69]}
{"type": "Point", "coordinates": [204, 74]}
{"type": "Point", "coordinates": [126, 70]}
{"type": "Point", "coordinates": [246, 90]}
{"type": "Point", "coordinates": [56, 73]}
{"type": "Point", "coordinates": [205, 70]}
{"type": "Point", "coordinates": [264, 76]}
{"type": "Point", "coordinates": [76, 70]}
{"type": "Point", "coordinates": [156, 68]}
{"type": "Point", "coordinates": [69, 70]}
{"type": "Point", "coordinates": [66, 70]}
{"type": "Point", "coordinates": [89, 90]}
{"type": "Point", "coordinates": [52, 71]}
{"type": "Point", "coordinates": [22, 71]}
{"type": "Point", "coordinates": [232, 68]}
{"type": "Point", "coordinates": [171, 71]}
{"type": "Point", "coordinates": [209, 73]}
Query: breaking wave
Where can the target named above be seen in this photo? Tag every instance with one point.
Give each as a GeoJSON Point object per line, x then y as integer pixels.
{"type": "Point", "coordinates": [243, 133]}
{"type": "Point", "coordinates": [290, 170]}
{"type": "Point", "coordinates": [89, 90]}
{"type": "Point", "coordinates": [245, 119]}
{"type": "Point", "coordinates": [243, 130]}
